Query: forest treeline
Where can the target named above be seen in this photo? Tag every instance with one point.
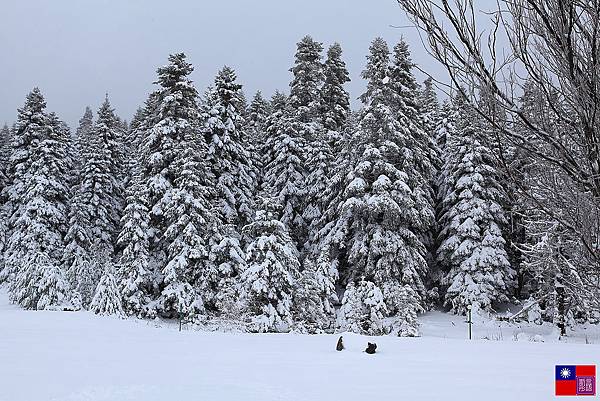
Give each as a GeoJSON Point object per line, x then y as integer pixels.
{"type": "Point", "coordinates": [288, 213]}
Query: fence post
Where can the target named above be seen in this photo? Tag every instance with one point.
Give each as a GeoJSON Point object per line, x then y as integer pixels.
{"type": "Point", "coordinates": [470, 321]}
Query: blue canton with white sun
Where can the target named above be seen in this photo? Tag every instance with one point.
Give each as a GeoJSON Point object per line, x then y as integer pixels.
{"type": "Point", "coordinates": [565, 372]}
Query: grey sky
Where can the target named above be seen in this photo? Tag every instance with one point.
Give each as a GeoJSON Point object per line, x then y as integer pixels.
{"type": "Point", "coordinates": [77, 50]}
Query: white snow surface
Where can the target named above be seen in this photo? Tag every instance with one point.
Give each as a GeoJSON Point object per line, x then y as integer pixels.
{"type": "Point", "coordinates": [77, 356]}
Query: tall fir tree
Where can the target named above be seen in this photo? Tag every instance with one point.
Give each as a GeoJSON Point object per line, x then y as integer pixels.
{"type": "Point", "coordinates": [305, 96]}
{"type": "Point", "coordinates": [101, 186]}
{"type": "Point", "coordinates": [258, 112]}
{"type": "Point", "coordinates": [5, 151]}
{"type": "Point", "coordinates": [272, 271]}
{"type": "Point", "coordinates": [107, 298]}
{"type": "Point", "coordinates": [228, 155]}
{"type": "Point", "coordinates": [191, 223]}
{"type": "Point", "coordinates": [472, 246]}
{"type": "Point", "coordinates": [94, 217]}
{"type": "Point", "coordinates": [82, 137]}
{"type": "Point", "coordinates": [285, 172]}
{"type": "Point", "coordinates": [335, 103]}
{"type": "Point", "coordinates": [378, 234]}
{"type": "Point", "coordinates": [256, 123]}
{"type": "Point", "coordinates": [176, 187]}
{"type": "Point", "coordinates": [134, 275]}
{"type": "Point", "coordinates": [5, 154]}
{"type": "Point", "coordinates": [39, 196]}
{"type": "Point", "coordinates": [335, 108]}
{"type": "Point", "coordinates": [173, 104]}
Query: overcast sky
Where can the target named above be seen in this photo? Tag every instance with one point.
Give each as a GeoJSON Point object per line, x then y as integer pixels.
{"type": "Point", "coordinates": [77, 50]}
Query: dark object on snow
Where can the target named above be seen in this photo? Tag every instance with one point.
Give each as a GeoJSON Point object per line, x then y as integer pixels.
{"type": "Point", "coordinates": [340, 344]}
{"type": "Point", "coordinates": [371, 347]}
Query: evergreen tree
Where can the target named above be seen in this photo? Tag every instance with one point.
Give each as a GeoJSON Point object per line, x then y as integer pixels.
{"type": "Point", "coordinates": [271, 273]}
{"type": "Point", "coordinates": [363, 309]}
{"type": "Point", "coordinates": [335, 110]}
{"type": "Point", "coordinates": [177, 187]}
{"type": "Point", "coordinates": [191, 222]}
{"type": "Point", "coordinates": [273, 125]}
{"type": "Point", "coordinates": [77, 260]}
{"type": "Point", "coordinates": [96, 204]}
{"type": "Point", "coordinates": [229, 158]}
{"type": "Point", "coordinates": [100, 188]}
{"type": "Point", "coordinates": [304, 124]}
{"type": "Point", "coordinates": [386, 210]}
{"type": "Point", "coordinates": [472, 246]}
{"type": "Point", "coordinates": [256, 121]}
{"type": "Point", "coordinates": [5, 155]}
{"type": "Point", "coordinates": [135, 281]}
{"type": "Point", "coordinates": [403, 83]}
{"type": "Point", "coordinates": [305, 96]}
{"type": "Point", "coordinates": [171, 145]}
{"type": "Point", "coordinates": [107, 298]}
{"type": "Point", "coordinates": [83, 137]}
{"type": "Point", "coordinates": [221, 281]}
{"type": "Point", "coordinates": [5, 151]}
{"type": "Point", "coordinates": [430, 116]}
{"type": "Point", "coordinates": [313, 298]}
{"type": "Point", "coordinates": [38, 200]}
{"type": "Point", "coordinates": [335, 101]}
{"type": "Point", "coordinates": [284, 174]}
{"type": "Point", "coordinates": [258, 112]}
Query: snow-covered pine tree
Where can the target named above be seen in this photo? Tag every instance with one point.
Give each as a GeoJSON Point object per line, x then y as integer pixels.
{"type": "Point", "coordinates": [191, 224]}
{"type": "Point", "coordinates": [363, 309]}
{"type": "Point", "coordinates": [170, 112]}
{"type": "Point", "coordinates": [5, 154]}
{"type": "Point", "coordinates": [229, 158]}
{"type": "Point", "coordinates": [385, 208]}
{"type": "Point", "coordinates": [30, 127]}
{"type": "Point", "coordinates": [221, 281]}
{"type": "Point", "coordinates": [305, 108]}
{"type": "Point", "coordinates": [335, 103]}
{"type": "Point", "coordinates": [284, 173]}
{"type": "Point", "coordinates": [256, 121]}
{"type": "Point", "coordinates": [445, 128]}
{"type": "Point", "coordinates": [313, 298]}
{"type": "Point", "coordinates": [328, 155]}
{"type": "Point", "coordinates": [77, 259]}
{"type": "Point", "coordinates": [509, 161]}
{"type": "Point", "coordinates": [472, 246]}
{"type": "Point", "coordinates": [39, 200]}
{"type": "Point", "coordinates": [83, 136]}
{"type": "Point", "coordinates": [272, 126]}
{"type": "Point", "coordinates": [429, 110]}
{"type": "Point", "coordinates": [5, 151]}
{"type": "Point", "coordinates": [271, 273]}
{"type": "Point", "coordinates": [178, 185]}
{"type": "Point", "coordinates": [258, 112]}
{"type": "Point", "coordinates": [305, 95]}
{"type": "Point", "coordinates": [429, 106]}
{"type": "Point", "coordinates": [100, 188]}
{"type": "Point", "coordinates": [107, 298]}
{"type": "Point", "coordinates": [135, 283]}
{"type": "Point", "coordinates": [96, 205]}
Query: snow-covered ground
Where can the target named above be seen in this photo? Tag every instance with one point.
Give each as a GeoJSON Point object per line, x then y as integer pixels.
{"type": "Point", "coordinates": [80, 357]}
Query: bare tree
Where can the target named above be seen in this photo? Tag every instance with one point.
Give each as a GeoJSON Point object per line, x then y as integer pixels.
{"type": "Point", "coordinates": [553, 45]}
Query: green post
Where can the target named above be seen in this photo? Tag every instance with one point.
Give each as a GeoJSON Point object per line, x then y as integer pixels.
{"type": "Point", "coordinates": [180, 318]}
{"type": "Point", "coordinates": [470, 321]}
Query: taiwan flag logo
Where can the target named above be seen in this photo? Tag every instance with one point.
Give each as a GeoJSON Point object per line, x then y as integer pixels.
{"type": "Point", "coordinates": [575, 379]}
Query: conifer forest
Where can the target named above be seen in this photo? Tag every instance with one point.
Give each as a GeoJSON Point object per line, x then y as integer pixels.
{"type": "Point", "coordinates": [295, 212]}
